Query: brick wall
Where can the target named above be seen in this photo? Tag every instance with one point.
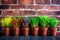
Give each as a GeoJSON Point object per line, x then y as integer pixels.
{"type": "Point", "coordinates": [30, 8]}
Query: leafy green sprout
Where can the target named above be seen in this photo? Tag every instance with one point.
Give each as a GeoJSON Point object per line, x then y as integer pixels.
{"type": "Point", "coordinates": [43, 20]}
{"type": "Point", "coordinates": [34, 21]}
{"type": "Point", "coordinates": [53, 22]}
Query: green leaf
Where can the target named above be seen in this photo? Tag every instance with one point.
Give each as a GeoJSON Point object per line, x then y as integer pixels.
{"type": "Point", "coordinates": [43, 20]}
{"type": "Point", "coordinates": [53, 22]}
{"type": "Point", "coordinates": [34, 21]}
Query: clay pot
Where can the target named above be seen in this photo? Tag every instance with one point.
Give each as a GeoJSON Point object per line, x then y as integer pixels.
{"type": "Point", "coordinates": [35, 31]}
{"type": "Point", "coordinates": [7, 31]}
{"type": "Point", "coordinates": [16, 31]}
{"type": "Point", "coordinates": [53, 31]}
{"type": "Point", "coordinates": [43, 31]}
{"type": "Point", "coordinates": [25, 31]}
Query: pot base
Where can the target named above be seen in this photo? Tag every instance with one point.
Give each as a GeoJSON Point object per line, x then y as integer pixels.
{"type": "Point", "coordinates": [53, 31]}
{"type": "Point", "coordinates": [43, 31]}
{"type": "Point", "coordinates": [26, 31]}
{"type": "Point", "coordinates": [35, 31]}
{"type": "Point", "coordinates": [16, 31]}
{"type": "Point", "coordinates": [7, 31]}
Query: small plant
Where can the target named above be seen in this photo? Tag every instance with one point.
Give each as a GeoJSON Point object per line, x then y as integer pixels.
{"type": "Point", "coordinates": [25, 21]}
{"type": "Point", "coordinates": [16, 25]}
{"type": "Point", "coordinates": [34, 21]}
{"type": "Point", "coordinates": [6, 21]}
{"type": "Point", "coordinates": [25, 28]}
{"type": "Point", "coordinates": [53, 22]}
{"type": "Point", "coordinates": [15, 22]}
{"type": "Point", "coordinates": [19, 18]}
{"type": "Point", "coordinates": [53, 26]}
{"type": "Point", "coordinates": [43, 20]}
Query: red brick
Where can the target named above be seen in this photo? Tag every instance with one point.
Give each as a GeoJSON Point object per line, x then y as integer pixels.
{"type": "Point", "coordinates": [56, 1]}
{"type": "Point", "coordinates": [0, 1]}
{"type": "Point", "coordinates": [52, 7]}
{"type": "Point", "coordinates": [8, 1]}
{"type": "Point", "coordinates": [25, 1]}
{"type": "Point", "coordinates": [46, 1]}
{"type": "Point", "coordinates": [56, 12]}
{"type": "Point", "coordinates": [43, 13]}
{"type": "Point", "coordinates": [4, 6]}
{"type": "Point", "coordinates": [17, 6]}
{"type": "Point", "coordinates": [34, 7]}
{"type": "Point", "coordinates": [42, 1]}
{"type": "Point", "coordinates": [47, 7]}
{"type": "Point", "coordinates": [55, 7]}
{"type": "Point", "coordinates": [24, 12]}
{"type": "Point", "coordinates": [58, 18]}
{"type": "Point", "coordinates": [10, 12]}
{"type": "Point", "coordinates": [39, 1]}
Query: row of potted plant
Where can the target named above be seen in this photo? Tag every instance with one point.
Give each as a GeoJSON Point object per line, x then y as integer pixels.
{"type": "Point", "coordinates": [40, 24]}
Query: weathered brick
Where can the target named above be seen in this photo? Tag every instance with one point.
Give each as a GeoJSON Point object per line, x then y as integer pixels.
{"type": "Point", "coordinates": [24, 12]}
{"type": "Point", "coordinates": [34, 7]}
{"type": "Point", "coordinates": [56, 1]}
{"type": "Point", "coordinates": [55, 7]}
{"type": "Point", "coordinates": [0, 1]}
{"type": "Point", "coordinates": [39, 1]}
{"type": "Point", "coordinates": [18, 6]}
{"type": "Point", "coordinates": [52, 7]}
{"type": "Point", "coordinates": [25, 1]}
{"type": "Point", "coordinates": [4, 6]}
{"type": "Point", "coordinates": [9, 1]}
{"type": "Point", "coordinates": [10, 12]}
{"type": "Point", "coordinates": [46, 1]}
{"type": "Point", "coordinates": [56, 12]}
{"type": "Point", "coordinates": [58, 18]}
{"type": "Point", "coordinates": [47, 7]}
{"type": "Point", "coordinates": [43, 13]}
{"type": "Point", "coordinates": [42, 1]}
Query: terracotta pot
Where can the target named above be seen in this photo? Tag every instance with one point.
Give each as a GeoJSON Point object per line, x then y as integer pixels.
{"type": "Point", "coordinates": [7, 31]}
{"type": "Point", "coordinates": [35, 31]}
{"type": "Point", "coordinates": [16, 31]}
{"type": "Point", "coordinates": [43, 31]}
{"type": "Point", "coordinates": [26, 31]}
{"type": "Point", "coordinates": [53, 31]}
